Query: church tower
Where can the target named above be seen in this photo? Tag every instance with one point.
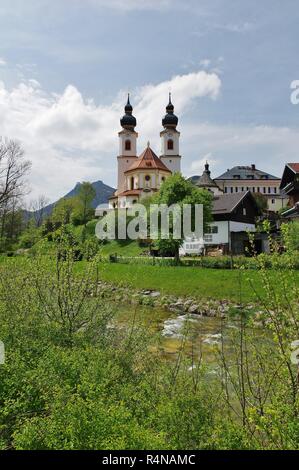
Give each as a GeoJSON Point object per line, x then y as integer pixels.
{"type": "Point", "coordinates": [127, 145]}
{"type": "Point", "coordinates": [170, 151]}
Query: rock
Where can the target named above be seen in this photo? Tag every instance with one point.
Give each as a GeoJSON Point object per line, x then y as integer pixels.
{"type": "Point", "coordinates": [194, 309]}
{"type": "Point", "coordinates": [155, 294]}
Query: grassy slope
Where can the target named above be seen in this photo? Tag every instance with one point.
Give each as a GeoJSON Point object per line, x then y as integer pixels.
{"type": "Point", "coordinates": [125, 248]}
{"type": "Point", "coordinates": [184, 281]}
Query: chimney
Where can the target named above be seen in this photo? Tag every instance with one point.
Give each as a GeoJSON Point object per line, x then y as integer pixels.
{"type": "Point", "coordinates": [253, 167]}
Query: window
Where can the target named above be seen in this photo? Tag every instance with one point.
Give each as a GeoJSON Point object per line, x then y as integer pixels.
{"type": "Point", "coordinates": [236, 189]}
{"type": "Point", "coordinates": [269, 190]}
{"type": "Point", "coordinates": [275, 190]}
{"type": "Point", "coordinates": [264, 190]}
{"type": "Point", "coordinates": [170, 144]}
{"type": "Point", "coordinates": [163, 178]}
{"type": "Point", "coordinates": [212, 229]}
{"type": "Point", "coordinates": [147, 178]}
{"type": "Point", "coordinates": [231, 190]}
{"type": "Point", "coordinates": [236, 177]}
{"type": "Point", "coordinates": [225, 189]}
{"type": "Point", "coordinates": [128, 145]}
{"type": "Point", "coordinates": [132, 182]}
{"type": "Point", "coordinates": [253, 189]}
{"type": "Point", "coordinates": [273, 201]}
{"type": "Point", "coordinates": [208, 238]}
{"type": "Point", "coordinates": [134, 201]}
{"type": "Point", "coordinates": [244, 211]}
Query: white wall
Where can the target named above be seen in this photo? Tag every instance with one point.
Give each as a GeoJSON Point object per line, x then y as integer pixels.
{"type": "Point", "coordinates": [220, 238]}
{"type": "Point", "coordinates": [175, 137]}
{"type": "Point", "coordinates": [241, 227]}
{"type": "Point", "coordinates": [132, 137]}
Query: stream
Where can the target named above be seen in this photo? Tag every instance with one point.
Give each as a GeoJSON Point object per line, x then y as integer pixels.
{"type": "Point", "coordinates": [196, 334]}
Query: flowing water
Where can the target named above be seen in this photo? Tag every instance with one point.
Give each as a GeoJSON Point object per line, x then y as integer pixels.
{"type": "Point", "coordinates": [195, 334]}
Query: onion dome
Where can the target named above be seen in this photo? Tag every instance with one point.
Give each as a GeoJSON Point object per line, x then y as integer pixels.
{"type": "Point", "coordinates": [205, 180]}
{"type": "Point", "coordinates": [170, 120]}
{"type": "Point", "coordinates": [128, 121]}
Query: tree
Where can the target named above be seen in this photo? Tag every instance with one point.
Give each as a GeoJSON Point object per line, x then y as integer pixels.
{"type": "Point", "coordinates": [86, 195]}
{"type": "Point", "coordinates": [261, 201]}
{"type": "Point", "coordinates": [13, 169]}
{"type": "Point", "coordinates": [63, 210]}
{"type": "Point", "coordinates": [177, 190]}
{"type": "Point", "coordinates": [38, 206]}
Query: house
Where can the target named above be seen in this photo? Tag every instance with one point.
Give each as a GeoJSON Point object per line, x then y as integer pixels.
{"type": "Point", "coordinates": [290, 187]}
{"type": "Point", "coordinates": [234, 216]}
{"type": "Point", "coordinates": [248, 178]}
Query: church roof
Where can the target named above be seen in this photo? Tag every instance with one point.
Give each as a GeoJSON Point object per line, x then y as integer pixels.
{"type": "Point", "coordinates": [205, 180]}
{"type": "Point", "coordinates": [131, 192]}
{"type": "Point", "coordinates": [148, 160]}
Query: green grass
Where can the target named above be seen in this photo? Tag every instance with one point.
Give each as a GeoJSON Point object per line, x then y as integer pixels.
{"type": "Point", "coordinates": [201, 283]}
{"type": "Point", "coordinates": [122, 248]}
{"type": "Point", "coordinates": [186, 281]}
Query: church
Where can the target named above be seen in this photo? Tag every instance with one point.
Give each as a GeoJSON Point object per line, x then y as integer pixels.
{"type": "Point", "coordinates": [141, 176]}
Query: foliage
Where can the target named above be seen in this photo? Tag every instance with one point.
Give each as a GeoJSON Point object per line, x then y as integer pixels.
{"type": "Point", "coordinates": [261, 201]}
{"type": "Point", "coordinates": [178, 190]}
{"type": "Point", "coordinates": [75, 379]}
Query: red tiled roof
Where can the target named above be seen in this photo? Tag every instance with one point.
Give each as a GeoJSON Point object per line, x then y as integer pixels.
{"type": "Point", "coordinates": [294, 167]}
{"type": "Point", "coordinates": [148, 160]}
{"type": "Point", "coordinates": [131, 192]}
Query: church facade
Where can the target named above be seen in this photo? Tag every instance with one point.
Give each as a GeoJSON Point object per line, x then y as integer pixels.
{"type": "Point", "coordinates": [141, 176]}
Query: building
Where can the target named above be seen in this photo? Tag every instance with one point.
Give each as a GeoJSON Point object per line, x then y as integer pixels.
{"type": "Point", "coordinates": [248, 178]}
{"type": "Point", "coordinates": [290, 187]}
{"type": "Point", "coordinates": [141, 176]}
{"type": "Point", "coordinates": [206, 182]}
{"type": "Point", "coordinates": [234, 215]}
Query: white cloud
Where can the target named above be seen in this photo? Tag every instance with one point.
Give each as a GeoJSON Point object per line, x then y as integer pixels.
{"type": "Point", "coordinates": [2, 62]}
{"type": "Point", "coordinates": [128, 5]}
{"type": "Point", "coordinates": [267, 146]}
{"type": "Point", "coordinates": [70, 139]}
{"type": "Point", "coordinates": [205, 63]}
{"type": "Point", "coordinates": [198, 165]}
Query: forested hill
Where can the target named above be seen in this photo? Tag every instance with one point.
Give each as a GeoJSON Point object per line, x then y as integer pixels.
{"type": "Point", "coordinates": [103, 192]}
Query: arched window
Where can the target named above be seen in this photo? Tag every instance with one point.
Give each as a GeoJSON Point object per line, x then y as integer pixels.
{"type": "Point", "coordinates": [147, 178]}
{"type": "Point", "coordinates": [134, 201]}
{"type": "Point", "coordinates": [170, 144]}
{"type": "Point", "coordinates": [132, 182]}
{"type": "Point", "coordinates": [127, 145]}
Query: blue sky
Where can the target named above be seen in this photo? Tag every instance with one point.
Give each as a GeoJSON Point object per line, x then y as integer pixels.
{"type": "Point", "coordinates": [65, 67]}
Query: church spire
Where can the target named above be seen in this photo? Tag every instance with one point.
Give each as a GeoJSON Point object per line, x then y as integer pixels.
{"type": "Point", "coordinates": [128, 121]}
{"type": "Point", "coordinates": [170, 121]}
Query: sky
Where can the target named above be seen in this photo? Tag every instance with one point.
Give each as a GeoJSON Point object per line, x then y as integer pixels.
{"type": "Point", "coordinates": [66, 67]}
